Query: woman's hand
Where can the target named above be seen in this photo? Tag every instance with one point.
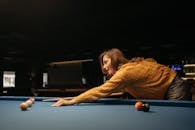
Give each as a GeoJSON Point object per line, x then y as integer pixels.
{"type": "Point", "coordinates": [63, 102]}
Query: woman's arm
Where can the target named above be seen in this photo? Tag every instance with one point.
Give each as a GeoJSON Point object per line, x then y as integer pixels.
{"type": "Point", "coordinates": [115, 84]}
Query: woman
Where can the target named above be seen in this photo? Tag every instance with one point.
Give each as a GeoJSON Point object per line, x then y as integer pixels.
{"type": "Point", "coordinates": [141, 78]}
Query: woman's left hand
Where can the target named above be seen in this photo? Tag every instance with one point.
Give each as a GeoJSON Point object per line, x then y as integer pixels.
{"type": "Point", "coordinates": [63, 102]}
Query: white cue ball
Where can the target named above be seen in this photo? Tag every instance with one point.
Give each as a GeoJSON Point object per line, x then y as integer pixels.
{"type": "Point", "coordinates": [29, 102]}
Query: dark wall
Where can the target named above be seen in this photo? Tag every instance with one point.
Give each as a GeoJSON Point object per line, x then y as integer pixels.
{"type": "Point", "coordinates": [35, 33]}
{"type": "Point", "coordinates": [24, 80]}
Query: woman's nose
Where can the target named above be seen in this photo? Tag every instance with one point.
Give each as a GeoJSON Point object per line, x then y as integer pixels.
{"type": "Point", "coordinates": [104, 67]}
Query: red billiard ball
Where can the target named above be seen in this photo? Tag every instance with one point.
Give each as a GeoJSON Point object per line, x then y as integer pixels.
{"type": "Point", "coordinates": [139, 105]}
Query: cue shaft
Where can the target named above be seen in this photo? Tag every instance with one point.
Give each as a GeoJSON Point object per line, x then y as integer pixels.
{"type": "Point", "coordinates": [55, 99]}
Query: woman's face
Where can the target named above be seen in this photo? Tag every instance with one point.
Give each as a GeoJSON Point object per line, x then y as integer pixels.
{"type": "Point", "coordinates": [107, 66]}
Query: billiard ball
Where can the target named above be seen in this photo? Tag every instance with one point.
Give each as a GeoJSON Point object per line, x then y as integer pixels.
{"type": "Point", "coordinates": [139, 105]}
{"type": "Point", "coordinates": [29, 102]}
{"type": "Point", "coordinates": [23, 106]}
{"type": "Point", "coordinates": [146, 107]}
{"type": "Point", "coordinates": [32, 99]}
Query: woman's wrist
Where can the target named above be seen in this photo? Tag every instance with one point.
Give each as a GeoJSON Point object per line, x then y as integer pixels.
{"type": "Point", "coordinates": [73, 101]}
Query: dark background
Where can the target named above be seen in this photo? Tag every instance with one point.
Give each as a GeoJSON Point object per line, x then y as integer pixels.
{"type": "Point", "coordinates": [34, 33]}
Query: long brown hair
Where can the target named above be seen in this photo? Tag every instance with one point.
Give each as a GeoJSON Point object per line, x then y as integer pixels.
{"type": "Point", "coordinates": [117, 58]}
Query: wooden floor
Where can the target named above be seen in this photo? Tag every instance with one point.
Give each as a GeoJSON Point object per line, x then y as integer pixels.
{"type": "Point", "coordinates": [193, 93]}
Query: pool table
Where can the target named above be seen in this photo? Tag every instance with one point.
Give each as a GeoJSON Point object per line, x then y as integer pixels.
{"type": "Point", "coordinates": [103, 114]}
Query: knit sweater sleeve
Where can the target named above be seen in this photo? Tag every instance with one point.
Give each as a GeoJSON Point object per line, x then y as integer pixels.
{"type": "Point", "coordinates": [115, 84]}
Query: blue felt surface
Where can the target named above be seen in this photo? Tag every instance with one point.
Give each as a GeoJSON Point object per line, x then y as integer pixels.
{"type": "Point", "coordinates": [93, 116]}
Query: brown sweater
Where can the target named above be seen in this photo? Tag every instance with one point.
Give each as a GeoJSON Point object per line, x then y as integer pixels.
{"type": "Point", "coordinates": [144, 79]}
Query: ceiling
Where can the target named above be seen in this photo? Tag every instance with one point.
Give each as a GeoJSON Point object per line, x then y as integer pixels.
{"type": "Point", "coordinates": [47, 30]}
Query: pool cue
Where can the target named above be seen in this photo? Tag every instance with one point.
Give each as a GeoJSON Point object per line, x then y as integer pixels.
{"type": "Point", "coordinates": [55, 99]}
